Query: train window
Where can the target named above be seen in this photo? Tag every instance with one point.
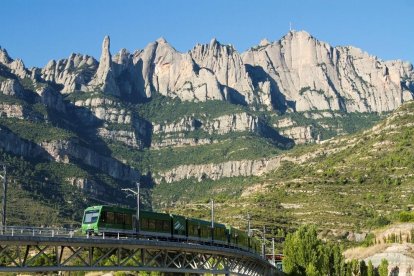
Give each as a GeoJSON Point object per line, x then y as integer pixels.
{"type": "Point", "coordinates": [192, 229]}
{"type": "Point", "coordinates": [110, 217]}
{"type": "Point", "coordinates": [151, 224]}
{"type": "Point", "coordinates": [158, 225]}
{"type": "Point", "coordinates": [205, 232]}
{"type": "Point", "coordinates": [128, 219]}
{"type": "Point", "coordinates": [91, 216]}
{"type": "Point", "coordinates": [119, 218]}
{"type": "Point", "coordinates": [144, 223]}
{"type": "Point", "coordinates": [166, 226]}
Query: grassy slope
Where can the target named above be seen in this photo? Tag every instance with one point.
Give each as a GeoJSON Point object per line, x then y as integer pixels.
{"type": "Point", "coordinates": [356, 181]}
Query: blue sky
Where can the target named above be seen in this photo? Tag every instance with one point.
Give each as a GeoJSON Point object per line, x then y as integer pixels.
{"type": "Point", "coordinates": [40, 30]}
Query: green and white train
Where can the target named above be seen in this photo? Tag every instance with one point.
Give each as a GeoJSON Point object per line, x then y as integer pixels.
{"type": "Point", "coordinates": [109, 220]}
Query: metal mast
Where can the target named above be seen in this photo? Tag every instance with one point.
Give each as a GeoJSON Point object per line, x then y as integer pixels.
{"type": "Point", "coordinates": [248, 225]}
{"type": "Point", "coordinates": [212, 219]}
{"type": "Point", "coordinates": [138, 206]}
{"type": "Point", "coordinates": [264, 242]}
{"type": "Point", "coordinates": [273, 251]}
{"type": "Point", "coordinates": [137, 195]}
{"type": "Point", "coordinates": [4, 201]}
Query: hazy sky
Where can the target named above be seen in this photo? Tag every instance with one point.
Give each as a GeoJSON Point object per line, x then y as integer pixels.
{"type": "Point", "coordinates": [40, 30]}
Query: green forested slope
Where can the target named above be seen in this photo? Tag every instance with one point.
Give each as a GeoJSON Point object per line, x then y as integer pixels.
{"type": "Point", "coordinates": [352, 182]}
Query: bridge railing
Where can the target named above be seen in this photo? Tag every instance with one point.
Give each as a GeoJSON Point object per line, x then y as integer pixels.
{"type": "Point", "coordinates": [38, 231]}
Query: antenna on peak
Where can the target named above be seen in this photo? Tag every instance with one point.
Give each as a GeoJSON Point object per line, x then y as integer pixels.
{"type": "Point", "coordinates": [290, 26]}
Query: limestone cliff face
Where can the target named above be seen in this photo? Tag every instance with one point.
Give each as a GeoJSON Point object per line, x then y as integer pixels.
{"type": "Point", "coordinates": [174, 134]}
{"type": "Point", "coordinates": [10, 142]}
{"type": "Point", "coordinates": [300, 134]}
{"type": "Point", "coordinates": [129, 129]}
{"type": "Point", "coordinates": [218, 171]}
{"type": "Point", "coordinates": [238, 122]}
{"type": "Point", "coordinates": [124, 136]}
{"type": "Point", "coordinates": [88, 186]}
{"type": "Point", "coordinates": [18, 111]}
{"type": "Point", "coordinates": [298, 72]}
{"type": "Point", "coordinates": [66, 150]}
{"type": "Point", "coordinates": [175, 74]}
{"type": "Point", "coordinates": [106, 109]}
{"type": "Point", "coordinates": [73, 73]}
{"type": "Point", "coordinates": [228, 169]}
{"type": "Point", "coordinates": [228, 68]}
{"type": "Point", "coordinates": [12, 87]}
{"type": "Point", "coordinates": [312, 75]}
{"type": "Point", "coordinates": [185, 124]}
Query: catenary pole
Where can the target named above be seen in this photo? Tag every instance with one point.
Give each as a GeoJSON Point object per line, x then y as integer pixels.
{"type": "Point", "coordinates": [212, 219]}
{"type": "Point", "coordinates": [4, 200]}
{"type": "Point", "coordinates": [273, 251]}
{"type": "Point", "coordinates": [138, 207]}
{"type": "Point", "coordinates": [248, 225]}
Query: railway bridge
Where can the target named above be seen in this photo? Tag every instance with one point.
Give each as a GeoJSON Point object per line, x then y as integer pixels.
{"type": "Point", "coordinates": [52, 250]}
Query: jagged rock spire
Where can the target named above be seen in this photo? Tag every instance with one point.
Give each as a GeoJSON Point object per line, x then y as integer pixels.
{"type": "Point", "coordinates": [104, 78]}
{"type": "Point", "coordinates": [104, 62]}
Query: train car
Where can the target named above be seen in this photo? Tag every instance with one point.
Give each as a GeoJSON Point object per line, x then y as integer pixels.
{"type": "Point", "coordinates": [179, 226]}
{"type": "Point", "coordinates": [112, 220]}
{"type": "Point", "coordinates": [199, 230]}
{"type": "Point", "coordinates": [220, 233]}
{"type": "Point", "coordinates": [155, 224]}
{"type": "Point", "coordinates": [238, 237]}
{"type": "Point", "coordinates": [107, 219]}
{"type": "Point", "coordinates": [255, 245]}
{"type": "Point", "coordinates": [103, 219]}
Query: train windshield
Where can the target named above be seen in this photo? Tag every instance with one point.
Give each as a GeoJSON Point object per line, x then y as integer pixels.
{"type": "Point", "coordinates": [91, 216]}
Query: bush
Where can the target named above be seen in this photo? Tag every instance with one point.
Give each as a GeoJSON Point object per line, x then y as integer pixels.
{"type": "Point", "coordinates": [405, 216]}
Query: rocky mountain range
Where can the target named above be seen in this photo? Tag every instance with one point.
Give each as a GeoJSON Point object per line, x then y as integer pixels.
{"type": "Point", "coordinates": [166, 116]}
{"type": "Point", "coordinates": [298, 72]}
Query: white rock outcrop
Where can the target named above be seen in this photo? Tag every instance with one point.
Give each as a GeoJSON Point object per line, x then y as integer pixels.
{"type": "Point", "coordinates": [238, 122]}
{"type": "Point", "coordinates": [297, 73]}
{"type": "Point", "coordinates": [312, 75]}
{"type": "Point", "coordinates": [175, 74]}
{"type": "Point", "coordinates": [73, 73]}
{"type": "Point", "coordinates": [12, 87]}
{"type": "Point", "coordinates": [220, 170]}
{"type": "Point", "coordinates": [300, 134]}
{"type": "Point", "coordinates": [227, 66]}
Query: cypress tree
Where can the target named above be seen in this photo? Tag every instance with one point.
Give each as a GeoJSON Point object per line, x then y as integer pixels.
{"type": "Point", "coordinates": [383, 268]}
{"type": "Point", "coordinates": [363, 268]}
{"type": "Point", "coordinates": [370, 269]}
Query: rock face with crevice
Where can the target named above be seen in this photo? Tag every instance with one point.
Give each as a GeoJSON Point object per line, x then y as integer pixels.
{"type": "Point", "coordinates": [297, 73]}
{"type": "Point", "coordinates": [312, 75]}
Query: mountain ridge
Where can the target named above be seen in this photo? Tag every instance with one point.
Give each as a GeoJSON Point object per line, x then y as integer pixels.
{"type": "Point", "coordinates": [165, 117]}
{"type": "Point", "coordinates": [297, 72]}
